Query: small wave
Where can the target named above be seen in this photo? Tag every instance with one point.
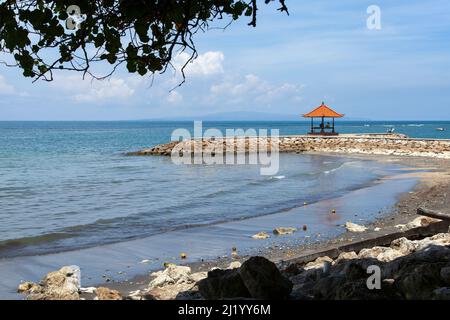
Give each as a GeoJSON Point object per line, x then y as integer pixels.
{"type": "Point", "coordinates": [34, 240]}
{"type": "Point", "coordinates": [345, 164]}
{"type": "Point", "coordinates": [414, 125]}
{"type": "Point", "coordinates": [277, 177]}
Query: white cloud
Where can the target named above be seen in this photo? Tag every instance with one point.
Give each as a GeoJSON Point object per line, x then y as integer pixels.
{"type": "Point", "coordinates": [206, 64]}
{"type": "Point", "coordinates": [254, 89]}
{"type": "Point", "coordinates": [174, 97]}
{"type": "Point", "coordinates": [96, 90]}
{"type": "Point", "coordinates": [5, 87]}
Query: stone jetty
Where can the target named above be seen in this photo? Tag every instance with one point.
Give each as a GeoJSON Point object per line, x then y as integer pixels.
{"type": "Point", "coordinates": [377, 144]}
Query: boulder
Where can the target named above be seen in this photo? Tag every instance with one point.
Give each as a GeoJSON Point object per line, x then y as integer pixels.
{"type": "Point", "coordinates": [384, 254]}
{"type": "Point", "coordinates": [261, 235]}
{"type": "Point", "coordinates": [29, 287]}
{"type": "Point", "coordinates": [346, 256]}
{"type": "Point", "coordinates": [421, 222]}
{"type": "Point", "coordinates": [263, 279]}
{"type": "Point", "coordinates": [441, 293]}
{"type": "Point", "coordinates": [353, 227]}
{"type": "Point", "coordinates": [445, 275]}
{"type": "Point", "coordinates": [390, 255]}
{"type": "Point", "coordinates": [282, 231]}
{"type": "Point", "coordinates": [235, 265]}
{"type": "Point", "coordinates": [440, 239]}
{"type": "Point", "coordinates": [418, 281]}
{"type": "Point", "coordinates": [63, 284]}
{"type": "Point", "coordinates": [173, 274]}
{"type": "Point", "coordinates": [107, 294]}
{"type": "Point", "coordinates": [173, 282]}
{"type": "Point", "coordinates": [404, 245]}
{"type": "Point", "coordinates": [223, 284]}
{"type": "Point", "coordinates": [318, 263]}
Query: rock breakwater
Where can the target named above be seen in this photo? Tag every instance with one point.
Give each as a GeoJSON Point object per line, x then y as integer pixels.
{"type": "Point", "coordinates": [396, 145]}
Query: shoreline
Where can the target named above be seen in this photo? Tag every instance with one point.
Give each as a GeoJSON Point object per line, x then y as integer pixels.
{"type": "Point", "coordinates": [403, 212]}
{"type": "Point", "coordinates": [432, 182]}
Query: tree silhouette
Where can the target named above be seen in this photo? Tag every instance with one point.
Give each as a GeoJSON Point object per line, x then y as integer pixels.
{"type": "Point", "coordinates": [40, 36]}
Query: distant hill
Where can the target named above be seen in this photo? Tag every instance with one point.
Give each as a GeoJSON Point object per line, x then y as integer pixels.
{"type": "Point", "coordinates": [244, 116]}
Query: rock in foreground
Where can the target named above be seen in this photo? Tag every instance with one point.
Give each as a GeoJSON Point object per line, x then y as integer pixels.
{"type": "Point", "coordinates": [353, 227]}
{"type": "Point", "coordinates": [175, 282]}
{"type": "Point", "coordinates": [409, 269]}
{"type": "Point", "coordinates": [107, 294]}
{"type": "Point", "coordinates": [257, 278]}
{"type": "Point", "coordinates": [263, 279]}
{"type": "Point", "coordinates": [63, 284]}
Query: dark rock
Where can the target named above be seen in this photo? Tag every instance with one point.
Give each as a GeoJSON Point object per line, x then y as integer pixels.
{"type": "Point", "coordinates": [445, 275]}
{"type": "Point", "coordinates": [441, 293]}
{"type": "Point", "coordinates": [223, 284]}
{"type": "Point", "coordinates": [325, 288]}
{"type": "Point", "coordinates": [358, 290]}
{"type": "Point", "coordinates": [263, 279]}
{"type": "Point", "coordinates": [419, 281]}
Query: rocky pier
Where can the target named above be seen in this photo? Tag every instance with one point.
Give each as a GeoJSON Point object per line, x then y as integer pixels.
{"type": "Point", "coordinates": [376, 144]}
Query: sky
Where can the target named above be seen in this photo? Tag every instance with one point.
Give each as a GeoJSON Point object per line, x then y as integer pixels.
{"type": "Point", "coordinates": [322, 51]}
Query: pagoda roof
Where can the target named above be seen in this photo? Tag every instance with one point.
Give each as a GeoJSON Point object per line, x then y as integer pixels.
{"type": "Point", "coordinates": [323, 111]}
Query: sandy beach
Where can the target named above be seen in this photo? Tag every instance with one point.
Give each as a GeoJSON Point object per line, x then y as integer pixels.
{"type": "Point", "coordinates": [425, 182]}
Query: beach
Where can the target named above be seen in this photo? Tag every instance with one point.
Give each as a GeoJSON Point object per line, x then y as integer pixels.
{"type": "Point", "coordinates": [430, 190]}
{"type": "Point", "coordinates": [427, 182]}
{"type": "Point", "coordinates": [377, 190]}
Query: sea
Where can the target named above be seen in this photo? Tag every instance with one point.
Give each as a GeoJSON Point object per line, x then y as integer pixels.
{"type": "Point", "coordinates": [69, 185]}
{"type": "Point", "coordinates": [69, 194]}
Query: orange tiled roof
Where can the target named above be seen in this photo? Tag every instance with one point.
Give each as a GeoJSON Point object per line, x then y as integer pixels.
{"type": "Point", "coordinates": [323, 111]}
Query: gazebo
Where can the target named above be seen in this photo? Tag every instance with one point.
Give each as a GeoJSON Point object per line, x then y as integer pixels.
{"type": "Point", "coordinates": [323, 112]}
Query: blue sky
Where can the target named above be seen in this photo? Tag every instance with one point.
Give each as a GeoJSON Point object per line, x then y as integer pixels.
{"type": "Point", "coordinates": [287, 65]}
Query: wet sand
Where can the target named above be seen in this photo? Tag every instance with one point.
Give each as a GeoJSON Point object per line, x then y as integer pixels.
{"type": "Point", "coordinates": [119, 266]}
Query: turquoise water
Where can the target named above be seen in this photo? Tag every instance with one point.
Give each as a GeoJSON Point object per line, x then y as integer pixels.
{"type": "Point", "coordinates": [68, 185]}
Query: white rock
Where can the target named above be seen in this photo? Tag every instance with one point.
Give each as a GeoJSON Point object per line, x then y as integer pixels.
{"type": "Point", "coordinates": [384, 254]}
{"type": "Point", "coordinates": [421, 222]}
{"type": "Point", "coordinates": [234, 265]}
{"type": "Point", "coordinates": [353, 227]}
{"type": "Point", "coordinates": [404, 245]}
{"type": "Point", "coordinates": [346, 256]}
{"type": "Point", "coordinates": [134, 293]}
{"type": "Point", "coordinates": [171, 275]}
{"type": "Point", "coordinates": [73, 276]}
{"type": "Point", "coordinates": [261, 235]}
{"type": "Point", "coordinates": [318, 263]}
{"type": "Point", "coordinates": [88, 290]}
{"type": "Point", "coordinates": [390, 255]}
